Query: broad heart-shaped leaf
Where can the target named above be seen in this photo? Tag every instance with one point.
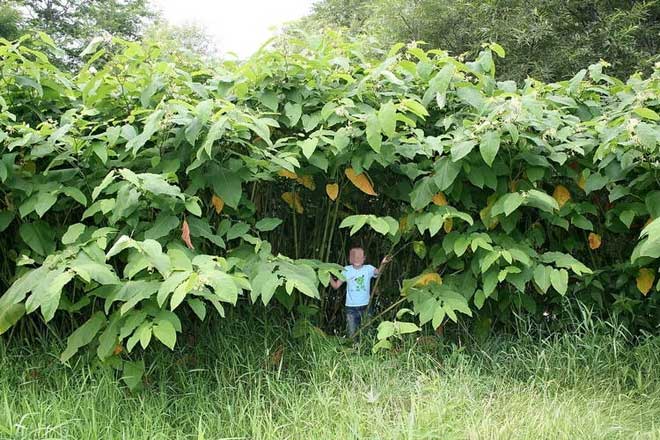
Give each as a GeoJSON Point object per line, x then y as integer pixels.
{"type": "Point", "coordinates": [489, 146]}
{"type": "Point", "coordinates": [163, 225]}
{"type": "Point", "coordinates": [6, 217]}
{"type": "Point", "coordinates": [88, 270]}
{"type": "Point", "coordinates": [83, 335]}
{"type": "Point", "coordinates": [373, 132]}
{"type": "Point", "coordinates": [438, 86]}
{"type": "Point", "coordinates": [566, 261]}
{"type": "Point", "coordinates": [123, 242]}
{"type": "Point", "coordinates": [293, 111]}
{"type": "Point", "coordinates": [542, 277]}
{"type": "Point", "coordinates": [107, 180]}
{"type": "Point", "coordinates": [72, 233]}
{"type": "Point", "coordinates": [44, 201]}
{"type": "Point", "coordinates": [360, 181]}
{"type": "Point", "coordinates": [183, 289]}
{"type": "Point", "coordinates": [540, 200]}
{"type": "Point", "coordinates": [507, 204]}
{"type": "Point", "coordinates": [341, 139]}
{"type": "Point", "coordinates": [192, 206]}
{"type": "Point", "coordinates": [382, 225]}
{"type": "Point", "coordinates": [227, 185]}
{"type": "Point", "coordinates": [171, 283]}
{"type": "Point", "coordinates": [39, 236]}
{"type": "Point", "coordinates": [308, 146]}
{"type": "Point", "coordinates": [355, 222]}
{"type": "Point", "coordinates": [423, 192]}
{"type": "Point", "coordinates": [461, 149]}
{"type": "Point", "coordinates": [47, 293]}
{"type": "Point", "coordinates": [164, 331]}
{"type": "Point", "coordinates": [132, 374]}
{"type": "Point", "coordinates": [264, 285]}
{"type": "Point", "coordinates": [445, 173]}
{"type": "Point", "coordinates": [268, 224]}
{"type": "Point", "coordinates": [21, 287]}
{"type": "Point", "coordinates": [647, 113]}
{"type": "Point", "coordinates": [595, 182]}
{"type": "Point", "coordinates": [387, 119]}
{"type": "Point", "coordinates": [559, 280]}
{"type": "Point", "coordinates": [198, 307]}
{"type": "Point", "coordinates": [650, 244]}
{"type": "Point", "coordinates": [10, 315]}
{"type": "Point", "coordinates": [652, 202]}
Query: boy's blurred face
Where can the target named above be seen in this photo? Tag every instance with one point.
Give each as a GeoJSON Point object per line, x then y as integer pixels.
{"type": "Point", "coordinates": [356, 256]}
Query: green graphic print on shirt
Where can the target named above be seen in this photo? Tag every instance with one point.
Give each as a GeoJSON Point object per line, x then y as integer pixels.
{"type": "Point", "coordinates": [359, 284]}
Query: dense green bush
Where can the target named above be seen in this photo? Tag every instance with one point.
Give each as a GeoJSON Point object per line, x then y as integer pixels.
{"type": "Point", "coordinates": [148, 186]}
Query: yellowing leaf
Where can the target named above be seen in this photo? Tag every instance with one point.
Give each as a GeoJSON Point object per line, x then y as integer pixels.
{"type": "Point", "coordinates": [645, 280]}
{"type": "Point", "coordinates": [448, 225]}
{"type": "Point", "coordinates": [650, 219]}
{"type": "Point", "coordinates": [427, 278]}
{"type": "Point", "coordinates": [288, 174]}
{"type": "Point", "coordinates": [293, 200]}
{"type": "Point", "coordinates": [440, 199]}
{"type": "Point", "coordinates": [332, 189]}
{"type": "Point", "coordinates": [307, 182]}
{"type": "Point", "coordinates": [360, 181]}
{"type": "Point", "coordinates": [582, 181]}
{"type": "Point", "coordinates": [561, 195]}
{"type": "Point", "coordinates": [594, 241]}
{"type": "Point", "coordinates": [218, 203]}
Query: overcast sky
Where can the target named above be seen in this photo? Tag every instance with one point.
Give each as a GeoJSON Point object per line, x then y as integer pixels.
{"type": "Point", "coordinates": [239, 26]}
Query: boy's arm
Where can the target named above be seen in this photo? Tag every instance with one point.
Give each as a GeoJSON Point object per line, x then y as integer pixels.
{"type": "Point", "coordinates": [386, 260]}
{"type": "Point", "coordinates": [335, 282]}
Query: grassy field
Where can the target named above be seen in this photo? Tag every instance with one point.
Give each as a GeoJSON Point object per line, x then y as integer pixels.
{"type": "Point", "coordinates": [230, 382]}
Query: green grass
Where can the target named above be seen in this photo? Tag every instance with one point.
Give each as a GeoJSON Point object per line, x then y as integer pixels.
{"type": "Point", "coordinates": [589, 384]}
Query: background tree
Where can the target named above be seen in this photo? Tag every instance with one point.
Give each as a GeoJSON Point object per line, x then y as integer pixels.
{"type": "Point", "coordinates": [547, 40]}
{"type": "Point", "coordinates": [190, 39]}
{"type": "Point", "coordinates": [10, 21]}
{"type": "Point", "coordinates": [73, 23]}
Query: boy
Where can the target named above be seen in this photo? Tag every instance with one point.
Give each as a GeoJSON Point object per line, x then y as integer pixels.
{"type": "Point", "coordinates": [358, 286]}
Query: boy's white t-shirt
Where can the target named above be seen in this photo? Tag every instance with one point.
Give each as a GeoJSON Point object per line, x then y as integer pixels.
{"type": "Point", "coordinates": [358, 284]}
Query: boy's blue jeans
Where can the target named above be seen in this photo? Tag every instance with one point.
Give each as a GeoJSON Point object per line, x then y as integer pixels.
{"type": "Point", "coordinates": [354, 317]}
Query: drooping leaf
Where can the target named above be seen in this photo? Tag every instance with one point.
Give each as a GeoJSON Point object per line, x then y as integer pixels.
{"type": "Point", "coordinates": [293, 200]}
{"type": "Point", "coordinates": [561, 195]}
{"type": "Point", "coordinates": [594, 241]}
{"type": "Point", "coordinates": [644, 280]}
{"type": "Point", "coordinates": [83, 335]}
{"type": "Point", "coordinates": [439, 199]}
{"type": "Point", "coordinates": [489, 146]}
{"type": "Point", "coordinates": [268, 224]}
{"type": "Point", "coordinates": [185, 234]}
{"type": "Point", "coordinates": [332, 190]}
{"type": "Point", "coordinates": [360, 181]}
{"type": "Point", "coordinates": [217, 203]}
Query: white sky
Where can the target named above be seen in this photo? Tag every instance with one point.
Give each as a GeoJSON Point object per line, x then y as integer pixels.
{"type": "Point", "coordinates": [239, 26]}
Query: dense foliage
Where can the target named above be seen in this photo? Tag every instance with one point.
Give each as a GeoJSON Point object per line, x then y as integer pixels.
{"type": "Point", "coordinates": [547, 40]}
{"type": "Point", "coordinates": [144, 190]}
